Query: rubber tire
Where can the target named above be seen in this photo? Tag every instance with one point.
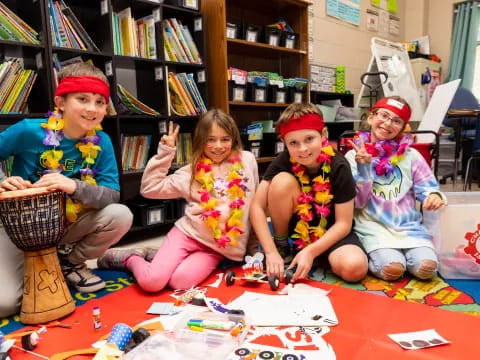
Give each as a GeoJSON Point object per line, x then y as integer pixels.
{"type": "Point", "coordinates": [288, 276]}
{"type": "Point", "coordinates": [274, 282]}
{"type": "Point", "coordinates": [230, 278]}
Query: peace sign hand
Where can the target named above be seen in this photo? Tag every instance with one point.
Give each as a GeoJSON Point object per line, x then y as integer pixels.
{"type": "Point", "coordinates": [170, 138]}
{"type": "Point", "coordinates": [361, 156]}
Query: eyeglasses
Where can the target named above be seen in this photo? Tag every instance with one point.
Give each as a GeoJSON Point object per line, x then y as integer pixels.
{"type": "Point", "coordinates": [384, 117]}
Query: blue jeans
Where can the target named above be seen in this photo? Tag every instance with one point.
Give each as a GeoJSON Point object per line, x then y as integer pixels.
{"type": "Point", "coordinates": [409, 258]}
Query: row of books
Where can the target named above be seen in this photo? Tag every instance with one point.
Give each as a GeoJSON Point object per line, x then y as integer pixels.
{"type": "Point", "coordinates": [15, 86]}
{"type": "Point", "coordinates": [14, 28]}
{"type": "Point", "coordinates": [67, 31]}
{"type": "Point", "coordinates": [183, 155]}
{"type": "Point", "coordinates": [134, 37]}
{"type": "Point", "coordinates": [135, 151]}
{"type": "Point", "coordinates": [178, 43]}
{"type": "Point", "coordinates": [184, 96]}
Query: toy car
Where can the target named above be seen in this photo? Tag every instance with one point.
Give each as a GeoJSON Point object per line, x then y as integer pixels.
{"type": "Point", "coordinates": [253, 272]}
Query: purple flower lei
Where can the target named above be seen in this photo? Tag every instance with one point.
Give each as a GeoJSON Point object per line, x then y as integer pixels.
{"type": "Point", "coordinates": [386, 154]}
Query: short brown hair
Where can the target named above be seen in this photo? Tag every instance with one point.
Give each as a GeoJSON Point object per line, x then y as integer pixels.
{"type": "Point", "coordinates": [81, 68]}
{"type": "Point", "coordinates": [296, 110]}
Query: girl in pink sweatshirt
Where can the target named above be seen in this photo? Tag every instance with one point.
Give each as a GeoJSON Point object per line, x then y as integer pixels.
{"type": "Point", "coordinates": [218, 186]}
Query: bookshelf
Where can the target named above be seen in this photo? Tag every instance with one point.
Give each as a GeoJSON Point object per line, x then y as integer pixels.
{"type": "Point", "coordinates": [335, 129]}
{"type": "Point", "coordinates": [145, 77]}
{"type": "Point", "coordinates": [224, 52]}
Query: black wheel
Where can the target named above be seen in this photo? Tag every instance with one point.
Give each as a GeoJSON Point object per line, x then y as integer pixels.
{"type": "Point", "coordinates": [266, 355]}
{"type": "Point", "coordinates": [274, 282]}
{"type": "Point", "coordinates": [289, 357]}
{"type": "Point", "coordinates": [288, 276]}
{"type": "Point", "coordinates": [230, 278]}
{"type": "Point", "coordinates": [242, 352]}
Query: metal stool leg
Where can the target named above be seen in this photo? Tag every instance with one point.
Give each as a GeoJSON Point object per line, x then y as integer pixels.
{"type": "Point", "coordinates": [469, 172]}
{"type": "Point", "coordinates": [468, 175]}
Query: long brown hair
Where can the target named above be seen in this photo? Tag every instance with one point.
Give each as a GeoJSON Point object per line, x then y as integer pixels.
{"type": "Point", "coordinates": [202, 131]}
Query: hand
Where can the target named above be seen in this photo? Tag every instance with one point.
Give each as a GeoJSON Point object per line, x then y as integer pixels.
{"type": "Point", "coordinates": [57, 181]}
{"type": "Point", "coordinates": [171, 137]}
{"type": "Point", "coordinates": [433, 202]}
{"type": "Point", "coordinates": [361, 156]}
{"type": "Point", "coordinates": [275, 264]}
{"type": "Point", "coordinates": [14, 183]}
{"type": "Point", "coordinates": [303, 261]}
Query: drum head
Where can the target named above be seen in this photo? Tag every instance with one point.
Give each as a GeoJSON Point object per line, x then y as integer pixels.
{"type": "Point", "coordinates": [25, 192]}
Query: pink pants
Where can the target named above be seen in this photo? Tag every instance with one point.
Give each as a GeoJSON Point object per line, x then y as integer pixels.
{"type": "Point", "coordinates": [181, 262]}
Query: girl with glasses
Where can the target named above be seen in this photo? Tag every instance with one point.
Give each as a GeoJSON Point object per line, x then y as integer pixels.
{"type": "Point", "coordinates": [390, 177]}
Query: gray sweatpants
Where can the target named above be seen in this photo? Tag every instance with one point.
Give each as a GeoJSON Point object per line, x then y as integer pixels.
{"type": "Point", "coordinates": [91, 235]}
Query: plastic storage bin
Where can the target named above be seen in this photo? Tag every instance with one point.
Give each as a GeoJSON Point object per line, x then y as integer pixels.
{"type": "Point", "coordinates": [456, 232]}
{"type": "Point", "coordinates": [234, 29]}
{"type": "Point", "coordinates": [273, 36]}
{"type": "Point", "coordinates": [253, 33]}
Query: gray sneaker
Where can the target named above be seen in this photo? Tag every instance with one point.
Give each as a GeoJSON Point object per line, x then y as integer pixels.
{"type": "Point", "coordinates": [116, 258]}
{"type": "Point", "coordinates": [82, 278]}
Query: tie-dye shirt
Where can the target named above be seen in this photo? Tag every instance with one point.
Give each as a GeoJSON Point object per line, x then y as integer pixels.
{"type": "Point", "coordinates": [386, 212]}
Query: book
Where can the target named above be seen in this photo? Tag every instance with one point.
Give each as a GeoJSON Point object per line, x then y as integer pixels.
{"type": "Point", "coordinates": [78, 28]}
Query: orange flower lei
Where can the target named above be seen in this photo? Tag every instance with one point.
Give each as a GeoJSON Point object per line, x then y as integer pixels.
{"type": "Point", "coordinates": [319, 194]}
{"type": "Point", "coordinates": [236, 192]}
{"type": "Point", "coordinates": [88, 147]}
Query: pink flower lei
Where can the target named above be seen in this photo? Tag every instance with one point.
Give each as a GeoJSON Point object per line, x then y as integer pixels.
{"type": "Point", "coordinates": [236, 191]}
{"type": "Point", "coordinates": [386, 154]}
{"type": "Point", "coordinates": [317, 196]}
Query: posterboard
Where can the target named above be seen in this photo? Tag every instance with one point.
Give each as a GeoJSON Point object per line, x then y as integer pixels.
{"type": "Point", "coordinates": [437, 109]}
{"type": "Point", "coordinates": [393, 59]}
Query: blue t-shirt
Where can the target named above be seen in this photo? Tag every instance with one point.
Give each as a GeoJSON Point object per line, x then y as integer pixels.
{"type": "Point", "coordinates": [24, 139]}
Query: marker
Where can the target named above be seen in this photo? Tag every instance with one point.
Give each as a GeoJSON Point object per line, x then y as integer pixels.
{"type": "Point", "coordinates": [212, 324]}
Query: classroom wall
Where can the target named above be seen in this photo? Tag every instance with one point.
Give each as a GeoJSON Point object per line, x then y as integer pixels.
{"type": "Point", "coordinates": [336, 42]}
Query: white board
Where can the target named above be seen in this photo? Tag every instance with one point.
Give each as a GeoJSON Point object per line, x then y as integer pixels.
{"type": "Point", "coordinates": [392, 58]}
{"type": "Point", "coordinates": [437, 109]}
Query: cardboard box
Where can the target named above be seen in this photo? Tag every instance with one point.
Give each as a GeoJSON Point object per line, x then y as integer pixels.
{"type": "Point", "coordinates": [456, 232]}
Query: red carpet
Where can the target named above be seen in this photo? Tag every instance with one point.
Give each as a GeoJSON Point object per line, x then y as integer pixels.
{"type": "Point", "coordinates": [364, 321]}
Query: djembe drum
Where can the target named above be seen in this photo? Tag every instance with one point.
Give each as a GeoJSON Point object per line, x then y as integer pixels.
{"type": "Point", "coordinates": [34, 219]}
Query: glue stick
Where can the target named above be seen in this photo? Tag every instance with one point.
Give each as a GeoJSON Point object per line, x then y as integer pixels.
{"type": "Point", "coordinates": [97, 322]}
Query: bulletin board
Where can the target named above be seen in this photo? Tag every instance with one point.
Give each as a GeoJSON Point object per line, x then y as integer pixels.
{"type": "Point", "coordinates": [393, 59]}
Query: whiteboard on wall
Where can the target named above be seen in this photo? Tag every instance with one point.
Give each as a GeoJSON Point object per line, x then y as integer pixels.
{"type": "Point", "coordinates": [393, 59]}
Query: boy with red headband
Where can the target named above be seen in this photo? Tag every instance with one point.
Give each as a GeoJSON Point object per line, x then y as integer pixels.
{"type": "Point", "coordinates": [67, 152]}
{"type": "Point", "coordinates": [390, 177]}
{"type": "Point", "coordinates": [308, 191]}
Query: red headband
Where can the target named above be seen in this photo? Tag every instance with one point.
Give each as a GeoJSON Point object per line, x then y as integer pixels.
{"type": "Point", "coordinates": [399, 108]}
{"type": "Point", "coordinates": [91, 84]}
{"type": "Point", "coordinates": [307, 121]}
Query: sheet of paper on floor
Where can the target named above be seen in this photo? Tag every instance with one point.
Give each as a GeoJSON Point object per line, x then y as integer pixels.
{"type": "Point", "coordinates": [303, 306]}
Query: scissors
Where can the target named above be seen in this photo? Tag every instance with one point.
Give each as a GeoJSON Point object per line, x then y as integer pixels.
{"type": "Point", "coordinates": [185, 296]}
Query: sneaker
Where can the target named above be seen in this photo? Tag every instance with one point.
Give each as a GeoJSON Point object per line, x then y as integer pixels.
{"type": "Point", "coordinates": [82, 278]}
{"type": "Point", "coordinates": [116, 258]}
{"type": "Point", "coordinates": [151, 252]}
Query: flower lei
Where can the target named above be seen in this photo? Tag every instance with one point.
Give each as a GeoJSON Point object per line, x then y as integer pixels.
{"type": "Point", "coordinates": [88, 147]}
{"type": "Point", "coordinates": [386, 154]}
{"type": "Point", "coordinates": [317, 196]}
{"type": "Point", "coordinates": [236, 191]}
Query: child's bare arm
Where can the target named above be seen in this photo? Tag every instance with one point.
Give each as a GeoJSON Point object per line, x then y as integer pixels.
{"type": "Point", "coordinates": [258, 218]}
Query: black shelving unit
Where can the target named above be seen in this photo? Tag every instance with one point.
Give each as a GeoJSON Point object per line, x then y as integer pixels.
{"type": "Point", "coordinates": [334, 128]}
{"type": "Point", "coordinates": [146, 79]}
